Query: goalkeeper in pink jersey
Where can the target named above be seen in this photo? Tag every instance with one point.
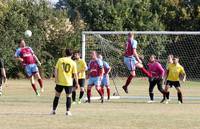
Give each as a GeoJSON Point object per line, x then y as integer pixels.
{"type": "Point", "coordinates": [157, 72]}
{"type": "Point", "coordinates": [132, 60]}
{"type": "Point", "coordinates": [26, 56]}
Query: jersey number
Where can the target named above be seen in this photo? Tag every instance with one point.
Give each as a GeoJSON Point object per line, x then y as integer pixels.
{"type": "Point", "coordinates": [66, 67]}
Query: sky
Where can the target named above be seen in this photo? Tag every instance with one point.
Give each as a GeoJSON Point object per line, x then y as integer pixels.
{"type": "Point", "coordinates": [54, 1]}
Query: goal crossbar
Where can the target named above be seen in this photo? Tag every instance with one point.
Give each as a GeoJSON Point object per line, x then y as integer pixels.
{"type": "Point", "coordinates": [145, 32]}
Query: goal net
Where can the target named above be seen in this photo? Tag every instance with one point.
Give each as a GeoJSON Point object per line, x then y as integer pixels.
{"type": "Point", "coordinates": [185, 45]}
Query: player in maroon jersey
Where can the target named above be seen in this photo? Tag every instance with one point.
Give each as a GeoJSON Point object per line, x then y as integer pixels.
{"type": "Point", "coordinates": [95, 69]}
{"type": "Point", "coordinates": [105, 82]}
{"type": "Point", "coordinates": [132, 60]}
{"type": "Point", "coordinates": [26, 56]}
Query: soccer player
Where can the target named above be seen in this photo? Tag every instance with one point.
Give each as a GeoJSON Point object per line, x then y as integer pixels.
{"type": "Point", "coordinates": [81, 68]}
{"type": "Point", "coordinates": [65, 70]}
{"type": "Point", "coordinates": [174, 72]}
{"type": "Point", "coordinates": [157, 72]}
{"type": "Point", "coordinates": [95, 69]}
{"type": "Point", "coordinates": [105, 81]}
{"type": "Point", "coordinates": [2, 75]}
{"type": "Point", "coordinates": [169, 61]}
{"type": "Point", "coordinates": [132, 60]}
{"type": "Point", "coordinates": [26, 56]}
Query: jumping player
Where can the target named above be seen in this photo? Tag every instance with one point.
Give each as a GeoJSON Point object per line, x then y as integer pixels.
{"type": "Point", "coordinates": [132, 60]}
{"type": "Point", "coordinates": [65, 70]}
{"type": "Point", "coordinates": [174, 71]}
{"type": "Point", "coordinates": [95, 69]}
{"type": "Point", "coordinates": [81, 68]}
{"type": "Point", "coordinates": [157, 72]}
{"type": "Point", "coordinates": [26, 56]}
{"type": "Point", "coordinates": [105, 81]}
{"type": "Point", "coordinates": [2, 75]}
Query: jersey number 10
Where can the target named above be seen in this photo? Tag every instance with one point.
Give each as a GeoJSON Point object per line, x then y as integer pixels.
{"type": "Point", "coordinates": [66, 67]}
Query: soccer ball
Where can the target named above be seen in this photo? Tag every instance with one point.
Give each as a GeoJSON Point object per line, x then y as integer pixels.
{"type": "Point", "coordinates": [28, 33]}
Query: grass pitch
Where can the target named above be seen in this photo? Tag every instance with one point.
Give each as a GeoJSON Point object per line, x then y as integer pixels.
{"type": "Point", "coordinates": [21, 109]}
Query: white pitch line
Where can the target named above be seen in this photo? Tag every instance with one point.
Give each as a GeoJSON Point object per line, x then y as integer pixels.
{"type": "Point", "coordinates": [145, 97]}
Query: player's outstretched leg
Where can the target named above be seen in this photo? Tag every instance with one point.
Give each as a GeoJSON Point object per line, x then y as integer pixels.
{"type": "Point", "coordinates": [143, 70]}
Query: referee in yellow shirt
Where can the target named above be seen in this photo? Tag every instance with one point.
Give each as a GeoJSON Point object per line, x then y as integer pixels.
{"type": "Point", "coordinates": [174, 72]}
{"type": "Point", "coordinates": [81, 68]}
{"type": "Point", "coordinates": [65, 70]}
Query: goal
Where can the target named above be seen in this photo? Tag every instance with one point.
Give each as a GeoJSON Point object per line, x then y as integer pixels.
{"type": "Point", "coordinates": [186, 45]}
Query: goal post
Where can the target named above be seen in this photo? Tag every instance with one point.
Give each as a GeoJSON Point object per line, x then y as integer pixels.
{"type": "Point", "coordinates": [110, 44]}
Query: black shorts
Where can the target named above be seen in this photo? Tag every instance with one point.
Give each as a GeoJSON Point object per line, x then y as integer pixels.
{"type": "Point", "coordinates": [59, 89]}
{"type": "Point", "coordinates": [173, 83]}
{"type": "Point", "coordinates": [81, 82]}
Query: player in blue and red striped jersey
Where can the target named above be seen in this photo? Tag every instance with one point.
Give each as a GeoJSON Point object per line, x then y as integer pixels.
{"type": "Point", "coordinates": [95, 74]}
{"type": "Point", "coordinates": [132, 60]}
{"type": "Point", "coordinates": [28, 59]}
{"type": "Point", "coordinates": [105, 81]}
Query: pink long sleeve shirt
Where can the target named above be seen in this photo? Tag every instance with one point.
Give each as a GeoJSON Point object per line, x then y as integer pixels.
{"type": "Point", "coordinates": [156, 69]}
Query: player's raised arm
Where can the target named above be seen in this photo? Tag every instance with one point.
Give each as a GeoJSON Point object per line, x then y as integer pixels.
{"type": "Point", "coordinates": [37, 60]}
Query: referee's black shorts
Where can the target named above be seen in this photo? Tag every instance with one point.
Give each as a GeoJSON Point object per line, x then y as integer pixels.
{"type": "Point", "coordinates": [59, 89]}
{"type": "Point", "coordinates": [173, 83]}
{"type": "Point", "coordinates": [81, 82]}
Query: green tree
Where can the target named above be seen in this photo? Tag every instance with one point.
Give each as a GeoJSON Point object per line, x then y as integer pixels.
{"type": "Point", "coordinates": [52, 32]}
